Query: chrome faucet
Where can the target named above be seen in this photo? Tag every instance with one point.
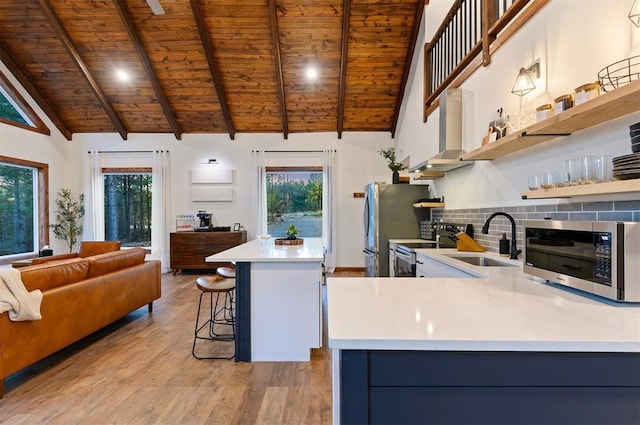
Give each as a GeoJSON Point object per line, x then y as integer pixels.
{"type": "Point", "coordinates": [514, 250]}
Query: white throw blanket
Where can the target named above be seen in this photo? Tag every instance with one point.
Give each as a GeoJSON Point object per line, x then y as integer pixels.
{"type": "Point", "coordinates": [15, 299]}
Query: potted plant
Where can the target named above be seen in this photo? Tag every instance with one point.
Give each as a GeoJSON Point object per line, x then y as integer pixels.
{"type": "Point", "coordinates": [69, 215]}
{"type": "Point", "coordinates": [291, 231]}
{"type": "Point", "coordinates": [390, 155]}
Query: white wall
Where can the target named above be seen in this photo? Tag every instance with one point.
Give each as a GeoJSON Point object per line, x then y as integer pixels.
{"type": "Point", "coordinates": [52, 150]}
{"type": "Point", "coordinates": [358, 162]}
{"type": "Point", "coordinates": [573, 39]}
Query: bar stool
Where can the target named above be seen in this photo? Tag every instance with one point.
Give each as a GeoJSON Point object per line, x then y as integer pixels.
{"type": "Point", "coordinates": [220, 315]}
{"type": "Point", "coordinates": [228, 273]}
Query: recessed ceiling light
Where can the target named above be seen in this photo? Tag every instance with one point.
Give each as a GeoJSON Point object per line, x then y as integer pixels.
{"type": "Point", "coordinates": [123, 75]}
{"type": "Point", "coordinates": [312, 74]}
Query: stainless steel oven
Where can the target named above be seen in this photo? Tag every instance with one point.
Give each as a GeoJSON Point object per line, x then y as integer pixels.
{"type": "Point", "coordinates": [599, 257]}
{"type": "Point", "coordinates": [405, 262]}
{"type": "Point", "coordinates": [404, 254]}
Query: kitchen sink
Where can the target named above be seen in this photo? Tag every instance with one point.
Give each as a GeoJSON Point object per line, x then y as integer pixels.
{"type": "Point", "coordinates": [482, 261]}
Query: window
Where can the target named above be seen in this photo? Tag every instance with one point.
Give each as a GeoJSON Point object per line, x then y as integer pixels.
{"type": "Point", "coordinates": [23, 208]}
{"type": "Point", "coordinates": [8, 110]}
{"type": "Point", "coordinates": [294, 195]}
{"type": "Point", "coordinates": [14, 110]}
{"type": "Point", "coordinates": [127, 206]}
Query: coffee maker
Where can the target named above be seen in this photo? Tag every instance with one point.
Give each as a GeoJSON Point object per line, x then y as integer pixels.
{"type": "Point", "coordinates": [204, 223]}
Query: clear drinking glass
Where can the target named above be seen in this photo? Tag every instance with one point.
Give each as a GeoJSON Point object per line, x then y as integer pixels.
{"type": "Point", "coordinates": [589, 165]}
{"type": "Point", "coordinates": [602, 168]}
{"type": "Point", "coordinates": [534, 182]}
{"type": "Point", "coordinates": [573, 167]}
{"type": "Point", "coordinates": [549, 180]}
{"type": "Point", "coordinates": [563, 179]}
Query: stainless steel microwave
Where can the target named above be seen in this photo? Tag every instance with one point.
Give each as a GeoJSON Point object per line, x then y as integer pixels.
{"type": "Point", "coordinates": [599, 257]}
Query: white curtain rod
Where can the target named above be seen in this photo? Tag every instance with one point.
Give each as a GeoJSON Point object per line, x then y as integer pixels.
{"type": "Point", "coordinates": [131, 151]}
{"type": "Point", "coordinates": [287, 151]}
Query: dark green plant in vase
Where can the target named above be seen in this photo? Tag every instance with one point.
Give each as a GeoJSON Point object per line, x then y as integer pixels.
{"type": "Point", "coordinates": [291, 231]}
{"type": "Point", "coordinates": [390, 155]}
{"type": "Point", "coordinates": [69, 215]}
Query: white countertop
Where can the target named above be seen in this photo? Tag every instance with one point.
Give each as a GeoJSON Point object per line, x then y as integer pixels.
{"type": "Point", "coordinates": [410, 240]}
{"type": "Point", "coordinates": [505, 311]}
{"type": "Point", "coordinates": [254, 251]}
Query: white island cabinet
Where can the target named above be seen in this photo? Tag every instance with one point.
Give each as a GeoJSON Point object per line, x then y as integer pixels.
{"type": "Point", "coordinates": [278, 299]}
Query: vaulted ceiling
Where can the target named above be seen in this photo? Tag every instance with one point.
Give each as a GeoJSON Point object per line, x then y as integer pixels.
{"type": "Point", "coordinates": [212, 66]}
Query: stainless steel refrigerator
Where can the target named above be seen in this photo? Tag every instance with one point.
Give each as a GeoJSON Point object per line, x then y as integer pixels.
{"type": "Point", "coordinates": [389, 214]}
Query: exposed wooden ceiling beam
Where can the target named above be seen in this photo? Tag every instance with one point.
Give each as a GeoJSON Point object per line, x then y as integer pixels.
{"type": "Point", "coordinates": [127, 21]}
{"type": "Point", "coordinates": [73, 51]}
{"type": "Point", "coordinates": [417, 21]}
{"type": "Point", "coordinates": [213, 68]}
{"type": "Point", "coordinates": [346, 13]}
{"type": "Point", "coordinates": [7, 59]}
{"type": "Point", "coordinates": [275, 37]}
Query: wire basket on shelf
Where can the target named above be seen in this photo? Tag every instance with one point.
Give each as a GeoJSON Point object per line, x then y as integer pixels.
{"type": "Point", "coordinates": [619, 73]}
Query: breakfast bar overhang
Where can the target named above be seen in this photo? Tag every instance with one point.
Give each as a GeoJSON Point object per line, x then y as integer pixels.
{"type": "Point", "coordinates": [278, 299]}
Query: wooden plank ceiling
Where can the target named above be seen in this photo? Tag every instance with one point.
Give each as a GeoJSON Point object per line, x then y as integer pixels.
{"type": "Point", "coordinates": [213, 66]}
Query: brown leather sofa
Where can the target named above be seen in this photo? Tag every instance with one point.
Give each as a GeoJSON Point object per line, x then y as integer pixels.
{"type": "Point", "coordinates": [80, 296]}
{"type": "Point", "coordinates": [85, 249]}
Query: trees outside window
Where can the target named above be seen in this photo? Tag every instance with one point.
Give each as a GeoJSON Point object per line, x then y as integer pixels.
{"type": "Point", "coordinates": [9, 112]}
{"type": "Point", "coordinates": [18, 207]}
{"type": "Point", "coordinates": [127, 208]}
{"type": "Point", "coordinates": [294, 196]}
{"type": "Point", "coordinates": [24, 208]}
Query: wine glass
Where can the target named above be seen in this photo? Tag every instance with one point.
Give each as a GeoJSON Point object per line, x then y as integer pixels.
{"type": "Point", "coordinates": [264, 241]}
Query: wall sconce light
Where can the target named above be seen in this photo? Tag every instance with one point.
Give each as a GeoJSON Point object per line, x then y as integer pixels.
{"type": "Point", "coordinates": [524, 83]}
{"type": "Point", "coordinates": [634, 13]}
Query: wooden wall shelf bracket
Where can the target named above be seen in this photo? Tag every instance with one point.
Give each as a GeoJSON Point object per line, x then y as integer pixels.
{"type": "Point", "coordinates": [525, 134]}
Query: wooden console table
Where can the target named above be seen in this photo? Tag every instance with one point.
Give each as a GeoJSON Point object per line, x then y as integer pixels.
{"type": "Point", "coordinates": [21, 263]}
{"type": "Point", "coordinates": [189, 249]}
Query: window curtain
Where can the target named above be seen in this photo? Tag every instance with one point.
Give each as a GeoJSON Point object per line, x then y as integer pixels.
{"type": "Point", "coordinates": [94, 219]}
{"type": "Point", "coordinates": [161, 208]}
{"type": "Point", "coordinates": [329, 208]}
{"type": "Point", "coordinates": [259, 193]}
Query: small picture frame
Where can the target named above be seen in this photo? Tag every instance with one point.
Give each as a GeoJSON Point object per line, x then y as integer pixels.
{"type": "Point", "coordinates": [236, 227]}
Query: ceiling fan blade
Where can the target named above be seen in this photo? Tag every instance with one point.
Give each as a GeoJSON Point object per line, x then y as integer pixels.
{"type": "Point", "coordinates": [156, 7]}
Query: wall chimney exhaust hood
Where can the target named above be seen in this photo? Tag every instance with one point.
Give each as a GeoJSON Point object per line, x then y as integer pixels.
{"type": "Point", "coordinates": [450, 137]}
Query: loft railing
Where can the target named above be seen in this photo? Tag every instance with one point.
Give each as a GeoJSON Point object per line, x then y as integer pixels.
{"type": "Point", "coordinates": [469, 34]}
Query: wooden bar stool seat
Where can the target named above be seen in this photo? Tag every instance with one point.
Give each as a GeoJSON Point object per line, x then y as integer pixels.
{"type": "Point", "coordinates": [227, 272]}
{"type": "Point", "coordinates": [221, 314]}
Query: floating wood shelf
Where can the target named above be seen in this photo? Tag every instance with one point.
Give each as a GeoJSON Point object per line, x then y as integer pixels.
{"type": "Point", "coordinates": [429, 205]}
{"type": "Point", "coordinates": [435, 168]}
{"type": "Point", "coordinates": [617, 186]}
{"type": "Point", "coordinates": [609, 106]}
{"type": "Point", "coordinates": [429, 175]}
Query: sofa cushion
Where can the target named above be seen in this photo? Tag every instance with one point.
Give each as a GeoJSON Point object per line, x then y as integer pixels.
{"type": "Point", "coordinates": [54, 274]}
{"type": "Point", "coordinates": [89, 248]}
{"type": "Point", "coordinates": [112, 261]}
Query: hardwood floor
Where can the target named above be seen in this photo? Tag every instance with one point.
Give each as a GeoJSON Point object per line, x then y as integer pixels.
{"type": "Point", "coordinates": [140, 371]}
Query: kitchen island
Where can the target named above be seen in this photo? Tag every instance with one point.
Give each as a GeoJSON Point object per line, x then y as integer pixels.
{"type": "Point", "coordinates": [504, 348]}
{"type": "Point", "coordinates": [278, 299]}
